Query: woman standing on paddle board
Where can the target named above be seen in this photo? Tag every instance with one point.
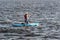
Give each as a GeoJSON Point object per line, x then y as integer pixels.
{"type": "Point", "coordinates": [26, 17]}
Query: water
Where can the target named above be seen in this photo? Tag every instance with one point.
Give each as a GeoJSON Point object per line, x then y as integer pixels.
{"type": "Point", "coordinates": [47, 12]}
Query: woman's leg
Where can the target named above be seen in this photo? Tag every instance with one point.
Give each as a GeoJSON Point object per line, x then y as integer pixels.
{"type": "Point", "coordinates": [26, 21]}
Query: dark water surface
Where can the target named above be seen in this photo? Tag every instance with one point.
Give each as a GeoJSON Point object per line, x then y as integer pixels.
{"type": "Point", "coordinates": [47, 12]}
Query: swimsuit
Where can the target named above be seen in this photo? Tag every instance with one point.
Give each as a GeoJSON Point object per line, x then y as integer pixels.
{"type": "Point", "coordinates": [26, 18]}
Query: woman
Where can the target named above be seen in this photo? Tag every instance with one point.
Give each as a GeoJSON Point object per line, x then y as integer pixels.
{"type": "Point", "coordinates": [26, 17]}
